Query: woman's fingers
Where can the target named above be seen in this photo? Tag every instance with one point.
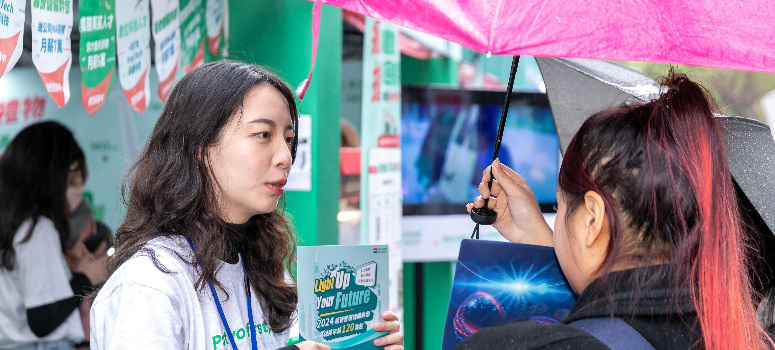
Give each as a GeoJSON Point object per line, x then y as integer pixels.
{"type": "Point", "coordinates": [486, 174]}
{"type": "Point", "coordinates": [509, 181]}
{"type": "Point", "coordinates": [484, 190]}
{"type": "Point", "coordinates": [390, 339]}
{"type": "Point", "coordinates": [390, 325]}
{"type": "Point", "coordinates": [387, 326]}
{"type": "Point", "coordinates": [389, 316]}
{"type": "Point", "coordinates": [514, 175]}
{"type": "Point", "coordinates": [310, 345]}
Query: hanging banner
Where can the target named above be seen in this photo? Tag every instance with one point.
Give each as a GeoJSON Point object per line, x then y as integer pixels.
{"type": "Point", "coordinates": [166, 35]}
{"type": "Point", "coordinates": [97, 51]}
{"type": "Point", "coordinates": [215, 17]}
{"type": "Point", "coordinates": [52, 22]}
{"type": "Point", "coordinates": [381, 195]}
{"type": "Point", "coordinates": [134, 53]}
{"type": "Point", "coordinates": [11, 33]}
{"type": "Point", "coordinates": [192, 42]}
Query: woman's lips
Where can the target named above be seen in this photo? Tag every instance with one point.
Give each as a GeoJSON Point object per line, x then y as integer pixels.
{"type": "Point", "coordinates": [276, 187]}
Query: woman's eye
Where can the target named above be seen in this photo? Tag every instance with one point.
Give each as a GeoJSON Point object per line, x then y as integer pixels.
{"type": "Point", "coordinates": [264, 135]}
{"type": "Point", "coordinates": [289, 140]}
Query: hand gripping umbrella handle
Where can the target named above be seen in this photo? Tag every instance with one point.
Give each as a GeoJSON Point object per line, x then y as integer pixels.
{"type": "Point", "coordinates": [484, 215]}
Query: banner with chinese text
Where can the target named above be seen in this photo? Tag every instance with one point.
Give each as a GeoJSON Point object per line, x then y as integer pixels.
{"type": "Point", "coordinates": [381, 195]}
{"type": "Point", "coordinates": [97, 51]}
{"type": "Point", "coordinates": [11, 33]}
{"type": "Point", "coordinates": [52, 22]}
{"type": "Point", "coordinates": [215, 16]}
{"type": "Point", "coordinates": [192, 27]}
{"type": "Point", "coordinates": [133, 38]}
{"type": "Point", "coordinates": [166, 36]}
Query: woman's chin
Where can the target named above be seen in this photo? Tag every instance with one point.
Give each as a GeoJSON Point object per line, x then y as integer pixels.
{"type": "Point", "coordinates": [266, 209]}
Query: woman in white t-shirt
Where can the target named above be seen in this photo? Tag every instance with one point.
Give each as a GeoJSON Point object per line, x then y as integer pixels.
{"type": "Point", "coordinates": [203, 259]}
{"type": "Point", "coordinates": [38, 294]}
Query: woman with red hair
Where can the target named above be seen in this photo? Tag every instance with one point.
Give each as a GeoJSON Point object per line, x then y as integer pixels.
{"type": "Point", "coordinates": [647, 232]}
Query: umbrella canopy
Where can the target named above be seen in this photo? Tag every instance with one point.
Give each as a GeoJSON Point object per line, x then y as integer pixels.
{"type": "Point", "coordinates": [578, 88]}
{"type": "Point", "coordinates": [713, 33]}
{"type": "Point", "coordinates": [750, 152]}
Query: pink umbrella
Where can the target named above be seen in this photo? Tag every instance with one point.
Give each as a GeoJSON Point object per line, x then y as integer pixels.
{"type": "Point", "coordinates": [714, 33]}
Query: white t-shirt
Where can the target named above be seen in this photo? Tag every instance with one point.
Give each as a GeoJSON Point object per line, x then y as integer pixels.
{"type": "Point", "coordinates": [141, 307]}
{"type": "Point", "coordinates": [40, 276]}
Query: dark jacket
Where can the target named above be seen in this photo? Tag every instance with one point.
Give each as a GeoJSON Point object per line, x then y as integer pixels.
{"type": "Point", "coordinates": [662, 314]}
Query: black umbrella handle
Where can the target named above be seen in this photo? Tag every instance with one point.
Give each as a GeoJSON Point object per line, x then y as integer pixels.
{"type": "Point", "coordinates": [484, 215]}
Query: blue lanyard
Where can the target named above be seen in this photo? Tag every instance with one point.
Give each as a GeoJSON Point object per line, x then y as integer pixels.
{"type": "Point", "coordinates": [253, 342]}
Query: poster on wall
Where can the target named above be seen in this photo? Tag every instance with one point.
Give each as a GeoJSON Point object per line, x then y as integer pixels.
{"type": "Point", "coordinates": [97, 51]}
{"type": "Point", "coordinates": [385, 195]}
{"type": "Point", "coordinates": [215, 17]}
{"type": "Point", "coordinates": [192, 41]}
{"type": "Point", "coordinates": [133, 38]}
{"type": "Point", "coordinates": [166, 36]}
{"type": "Point", "coordinates": [52, 22]}
{"type": "Point", "coordinates": [11, 33]}
{"type": "Point", "coordinates": [381, 202]}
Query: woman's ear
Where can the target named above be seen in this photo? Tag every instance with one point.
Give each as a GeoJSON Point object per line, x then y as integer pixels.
{"type": "Point", "coordinates": [595, 220]}
{"type": "Point", "coordinates": [203, 156]}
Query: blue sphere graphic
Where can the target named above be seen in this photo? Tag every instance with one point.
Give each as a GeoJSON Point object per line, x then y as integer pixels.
{"type": "Point", "coordinates": [477, 311]}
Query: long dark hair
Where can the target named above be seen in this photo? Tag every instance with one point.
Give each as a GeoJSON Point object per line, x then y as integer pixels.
{"type": "Point", "coordinates": [170, 188]}
{"type": "Point", "coordinates": [661, 170]}
{"type": "Point", "coordinates": [33, 182]}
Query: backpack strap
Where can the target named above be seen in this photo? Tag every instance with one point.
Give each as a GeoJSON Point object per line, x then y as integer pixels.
{"type": "Point", "coordinates": [613, 332]}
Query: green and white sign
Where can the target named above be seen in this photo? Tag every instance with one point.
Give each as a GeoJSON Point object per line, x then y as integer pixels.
{"type": "Point", "coordinates": [166, 35]}
{"type": "Point", "coordinates": [52, 22]}
{"type": "Point", "coordinates": [11, 33]}
{"type": "Point", "coordinates": [97, 50]}
{"type": "Point", "coordinates": [192, 41]}
{"type": "Point", "coordinates": [133, 37]}
{"type": "Point", "coordinates": [381, 196]}
{"type": "Point", "coordinates": [215, 17]}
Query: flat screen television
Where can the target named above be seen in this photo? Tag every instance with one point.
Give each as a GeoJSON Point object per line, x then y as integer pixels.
{"type": "Point", "coordinates": [448, 137]}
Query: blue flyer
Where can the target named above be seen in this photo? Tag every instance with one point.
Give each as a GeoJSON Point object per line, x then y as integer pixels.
{"type": "Point", "coordinates": [343, 290]}
{"type": "Point", "coordinates": [499, 282]}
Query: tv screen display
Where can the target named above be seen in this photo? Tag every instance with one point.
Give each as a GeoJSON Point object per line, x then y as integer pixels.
{"type": "Point", "coordinates": [448, 139]}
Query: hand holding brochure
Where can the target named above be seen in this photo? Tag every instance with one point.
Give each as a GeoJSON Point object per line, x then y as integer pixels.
{"type": "Point", "coordinates": [343, 291]}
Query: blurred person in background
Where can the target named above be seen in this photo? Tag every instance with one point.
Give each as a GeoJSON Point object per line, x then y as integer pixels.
{"type": "Point", "coordinates": [39, 293]}
{"type": "Point", "coordinates": [87, 234]}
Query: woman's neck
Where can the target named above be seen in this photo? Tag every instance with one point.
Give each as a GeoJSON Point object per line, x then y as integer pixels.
{"type": "Point", "coordinates": [235, 236]}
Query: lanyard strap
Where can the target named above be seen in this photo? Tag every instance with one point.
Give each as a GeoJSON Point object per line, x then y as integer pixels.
{"type": "Point", "coordinates": [253, 342]}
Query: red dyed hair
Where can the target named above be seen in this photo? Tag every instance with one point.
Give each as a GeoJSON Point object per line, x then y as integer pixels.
{"type": "Point", "coordinates": [661, 170]}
